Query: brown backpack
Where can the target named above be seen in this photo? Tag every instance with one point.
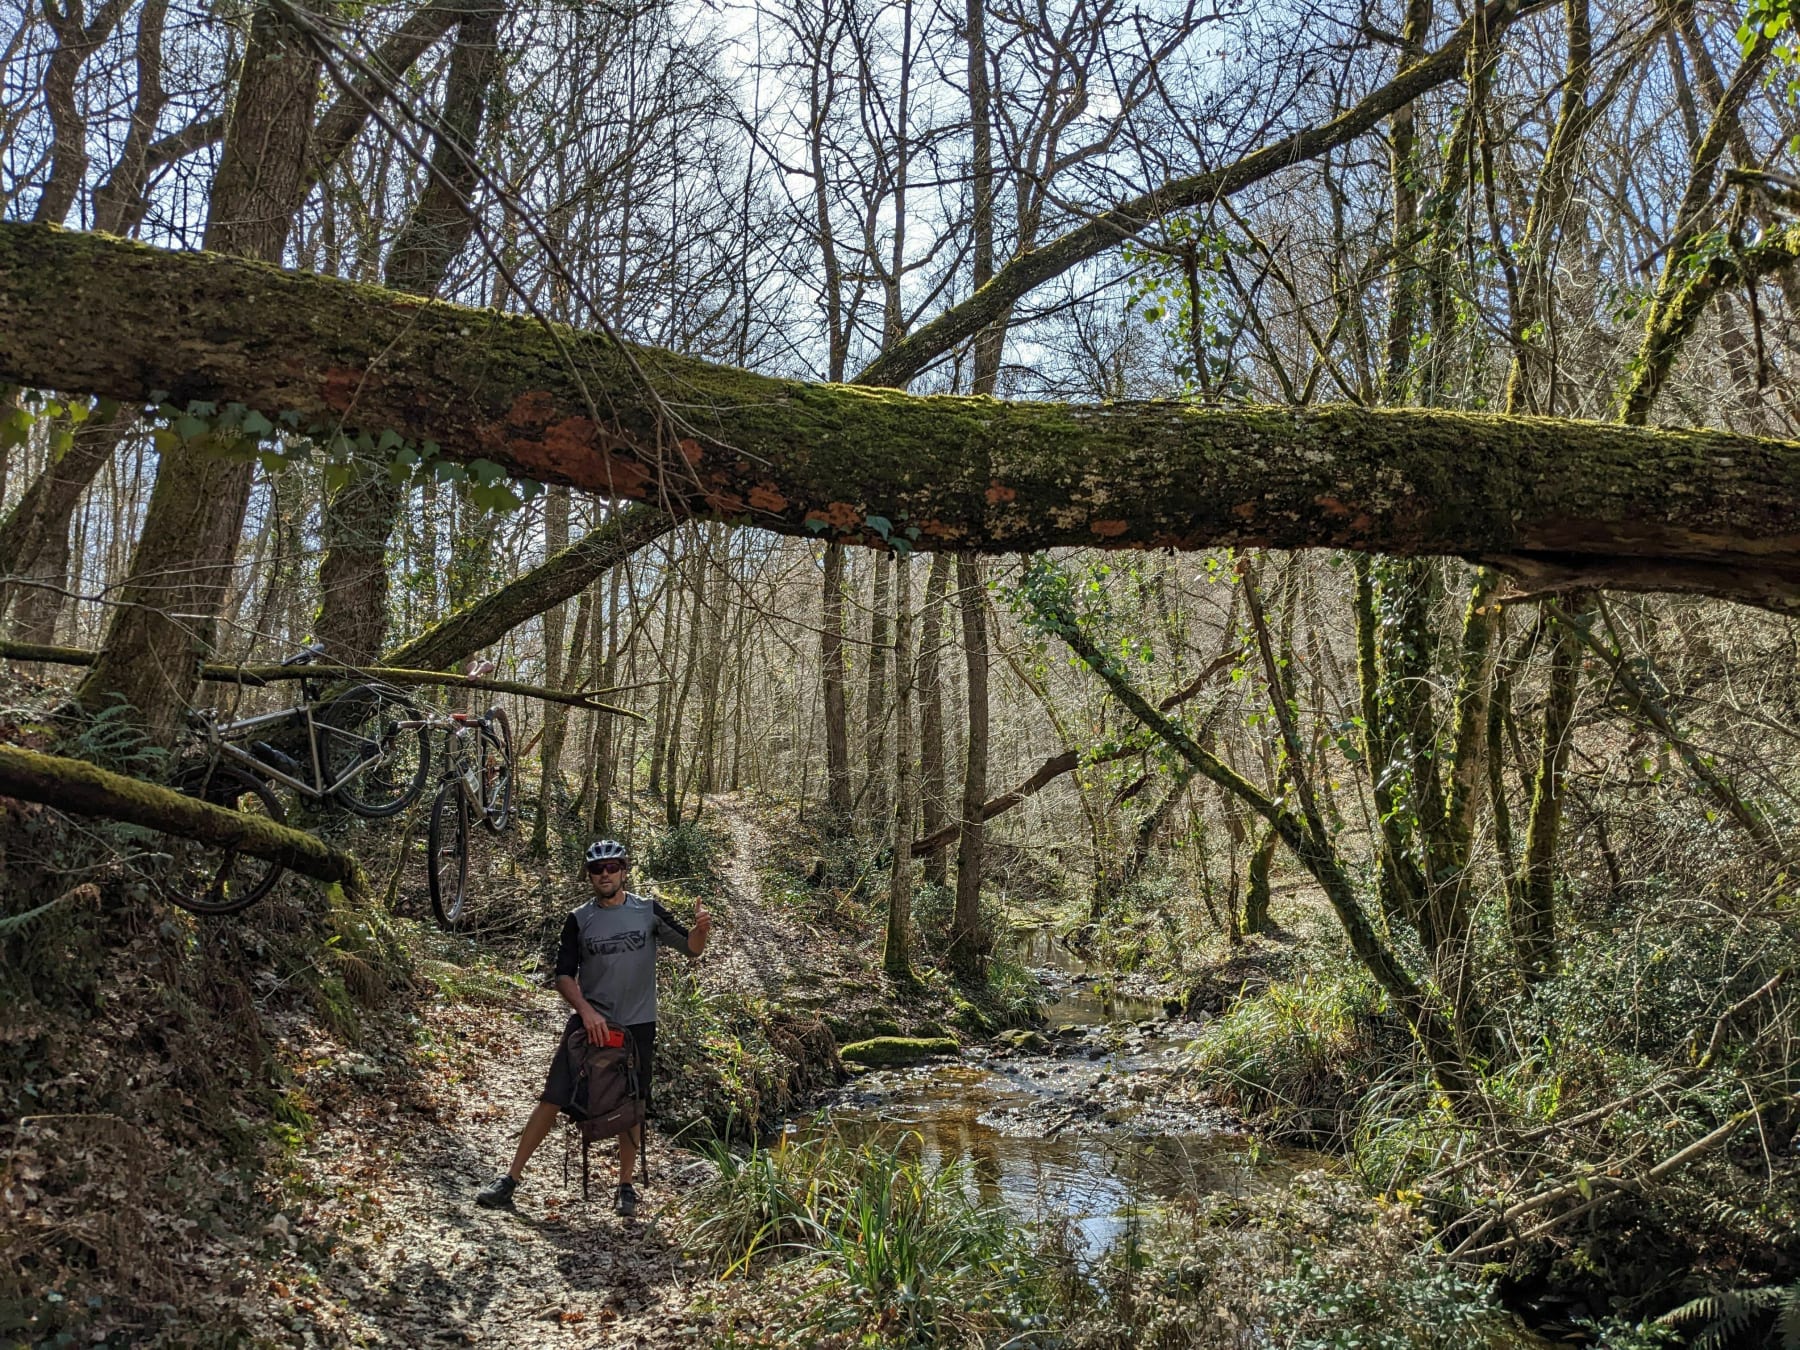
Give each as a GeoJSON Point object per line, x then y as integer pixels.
{"type": "Point", "coordinates": [608, 1099]}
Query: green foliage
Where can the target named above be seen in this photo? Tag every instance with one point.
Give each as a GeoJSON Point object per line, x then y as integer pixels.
{"type": "Point", "coordinates": [892, 1251]}
{"type": "Point", "coordinates": [113, 739]}
{"type": "Point", "coordinates": [1180, 290]}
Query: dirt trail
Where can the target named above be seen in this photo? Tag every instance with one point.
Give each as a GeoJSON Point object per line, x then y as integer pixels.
{"type": "Point", "coordinates": [417, 1263]}
{"type": "Point", "coordinates": [755, 948]}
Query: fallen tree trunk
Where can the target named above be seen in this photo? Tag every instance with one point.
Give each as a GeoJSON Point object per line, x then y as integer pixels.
{"type": "Point", "coordinates": [85, 789]}
{"type": "Point", "coordinates": [258, 676]}
{"type": "Point", "coordinates": [560, 577]}
{"type": "Point", "coordinates": [1579, 502]}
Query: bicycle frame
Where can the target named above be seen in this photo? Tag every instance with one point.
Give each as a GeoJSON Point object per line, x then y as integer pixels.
{"type": "Point", "coordinates": [458, 763]}
{"type": "Point", "coordinates": [220, 735]}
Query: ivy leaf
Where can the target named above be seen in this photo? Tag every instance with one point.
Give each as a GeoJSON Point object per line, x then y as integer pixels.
{"type": "Point", "coordinates": [255, 424]}
{"type": "Point", "coordinates": [880, 524]}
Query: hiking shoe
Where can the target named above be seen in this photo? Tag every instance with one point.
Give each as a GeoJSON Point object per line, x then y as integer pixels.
{"type": "Point", "coordinates": [498, 1194]}
{"type": "Point", "coordinates": [625, 1201]}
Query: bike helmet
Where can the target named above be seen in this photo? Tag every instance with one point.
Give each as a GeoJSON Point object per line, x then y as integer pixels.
{"type": "Point", "coordinates": [606, 850]}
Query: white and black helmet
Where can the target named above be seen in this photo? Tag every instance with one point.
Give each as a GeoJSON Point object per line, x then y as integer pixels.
{"type": "Point", "coordinates": [606, 850]}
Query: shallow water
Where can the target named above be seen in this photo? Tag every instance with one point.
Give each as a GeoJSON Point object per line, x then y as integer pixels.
{"type": "Point", "coordinates": [1070, 1134]}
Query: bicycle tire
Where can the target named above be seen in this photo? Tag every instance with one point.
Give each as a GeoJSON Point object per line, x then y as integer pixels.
{"type": "Point", "coordinates": [447, 854]}
{"type": "Point", "coordinates": [205, 878]}
{"type": "Point", "coordinates": [496, 771]}
{"type": "Point", "coordinates": [396, 759]}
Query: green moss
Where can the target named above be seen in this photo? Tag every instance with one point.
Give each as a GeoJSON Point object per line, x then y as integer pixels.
{"type": "Point", "coordinates": [889, 1051]}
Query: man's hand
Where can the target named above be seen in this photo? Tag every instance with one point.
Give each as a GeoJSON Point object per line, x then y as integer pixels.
{"type": "Point", "coordinates": [701, 930]}
{"type": "Point", "coordinates": [595, 1025]}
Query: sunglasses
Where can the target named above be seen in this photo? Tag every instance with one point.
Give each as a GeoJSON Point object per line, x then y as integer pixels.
{"type": "Point", "coordinates": [604, 868]}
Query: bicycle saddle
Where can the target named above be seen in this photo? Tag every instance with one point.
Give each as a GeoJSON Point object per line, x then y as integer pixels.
{"type": "Point", "coordinates": [311, 652]}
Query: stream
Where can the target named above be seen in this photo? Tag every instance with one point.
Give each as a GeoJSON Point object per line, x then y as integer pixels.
{"type": "Point", "coordinates": [1085, 1124]}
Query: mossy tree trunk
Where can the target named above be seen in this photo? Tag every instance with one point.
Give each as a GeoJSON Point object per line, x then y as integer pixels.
{"type": "Point", "coordinates": [86, 789]}
{"type": "Point", "coordinates": [1702, 511]}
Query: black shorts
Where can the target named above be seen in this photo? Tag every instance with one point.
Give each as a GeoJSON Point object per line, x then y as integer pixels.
{"type": "Point", "coordinates": [559, 1087]}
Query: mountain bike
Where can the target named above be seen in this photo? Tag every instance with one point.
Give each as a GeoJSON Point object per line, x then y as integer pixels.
{"type": "Point", "coordinates": [363, 749]}
{"type": "Point", "coordinates": [476, 784]}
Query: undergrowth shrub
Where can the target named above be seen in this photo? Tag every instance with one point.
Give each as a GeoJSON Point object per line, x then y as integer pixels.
{"type": "Point", "coordinates": [687, 852]}
{"type": "Point", "coordinates": [1298, 1060]}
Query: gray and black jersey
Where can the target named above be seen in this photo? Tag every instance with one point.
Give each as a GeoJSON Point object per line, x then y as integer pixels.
{"type": "Point", "coordinates": [610, 951]}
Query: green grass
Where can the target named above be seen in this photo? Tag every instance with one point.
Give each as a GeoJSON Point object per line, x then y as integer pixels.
{"type": "Point", "coordinates": [871, 1245]}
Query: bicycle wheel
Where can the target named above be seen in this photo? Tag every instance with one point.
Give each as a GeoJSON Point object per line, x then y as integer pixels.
{"type": "Point", "coordinates": [380, 764]}
{"type": "Point", "coordinates": [211, 878]}
{"type": "Point", "coordinates": [496, 771]}
{"type": "Point", "coordinates": [447, 854]}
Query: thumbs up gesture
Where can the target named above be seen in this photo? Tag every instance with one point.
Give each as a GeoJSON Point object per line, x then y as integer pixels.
{"type": "Point", "coordinates": [701, 930]}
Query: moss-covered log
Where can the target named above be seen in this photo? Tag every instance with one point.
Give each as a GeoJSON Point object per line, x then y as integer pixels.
{"type": "Point", "coordinates": [85, 789]}
{"type": "Point", "coordinates": [1545, 498]}
{"type": "Point", "coordinates": [559, 578]}
{"type": "Point", "coordinates": [256, 676]}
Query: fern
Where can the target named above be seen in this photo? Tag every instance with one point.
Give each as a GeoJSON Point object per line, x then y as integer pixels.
{"type": "Point", "coordinates": [1730, 1318]}
{"type": "Point", "coordinates": [112, 739]}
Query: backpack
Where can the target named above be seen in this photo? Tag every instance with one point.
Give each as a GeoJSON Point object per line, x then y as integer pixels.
{"type": "Point", "coordinates": [608, 1099]}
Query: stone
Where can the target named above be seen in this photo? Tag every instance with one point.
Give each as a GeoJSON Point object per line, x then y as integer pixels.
{"type": "Point", "coordinates": [887, 1051]}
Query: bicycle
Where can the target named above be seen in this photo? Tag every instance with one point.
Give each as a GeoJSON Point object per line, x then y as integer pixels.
{"type": "Point", "coordinates": [361, 756]}
{"type": "Point", "coordinates": [478, 785]}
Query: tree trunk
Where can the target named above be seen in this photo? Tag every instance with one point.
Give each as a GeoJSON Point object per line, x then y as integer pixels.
{"type": "Point", "coordinates": [968, 943]}
{"type": "Point", "coordinates": [877, 765]}
{"type": "Point", "coordinates": [556, 539]}
{"type": "Point", "coordinates": [360, 515]}
{"type": "Point", "coordinates": [897, 943]}
{"type": "Point", "coordinates": [88, 790]}
{"type": "Point", "coordinates": [170, 602]}
{"type": "Point", "coordinates": [933, 790]}
{"type": "Point", "coordinates": [837, 721]}
{"type": "Point", "coordinates": [1533, 892]}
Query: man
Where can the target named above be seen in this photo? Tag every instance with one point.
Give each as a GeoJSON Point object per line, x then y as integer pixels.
{"type": "Point", "coordinates": [606, 972]}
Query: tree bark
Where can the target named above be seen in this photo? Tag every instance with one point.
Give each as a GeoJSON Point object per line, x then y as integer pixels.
{"type": "Point", "coordinates": [837, 720]}
{"type": "Point", "coordinates": [1549, 500]}
{"type": "Point", "coordinates": [1533, 892]}
{"type": "Point", "coordinates": [895, 956]}
{"type": "Point", "coordinates": [933, 790]}
{"type": "Point", "coordinates": [876, 763]}
{"type": "Point", "coordinates": [968, 943]}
